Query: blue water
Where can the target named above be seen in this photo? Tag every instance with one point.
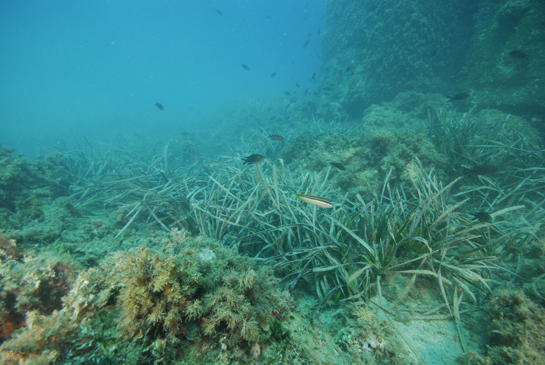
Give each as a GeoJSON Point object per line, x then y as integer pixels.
{"type": "Point", "coordinates": [96, 68]}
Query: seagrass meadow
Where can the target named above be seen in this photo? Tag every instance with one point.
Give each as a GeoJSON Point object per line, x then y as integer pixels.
{"type": "Point", "coordinates": [130, 254]}
{"type": "Point", "coordinates": [386, 208]}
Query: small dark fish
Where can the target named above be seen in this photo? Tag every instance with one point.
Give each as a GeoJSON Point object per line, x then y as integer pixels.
{"type": "Point", "coordinates": [185, 134]}
{"type": "Point", "coordinates": [160, 106]}
{"type": "Point", "coordinates": [340, 166]}
{"type": "Point", "coordinates": [319, 31]}
{"type": "Point", "coordinates": [246, 67]}
{"type": "Point", "coordinates": [186, 204]}
{"type": "Point", "coordinates": [219, 11]}
{"type": "Point", "coordinates": [273, 74]}
{"type": "Point", "coordinates": [313, 76]}
{"type": "Point", "coordinates": [287, 93]}
{"type": "Point", "coordinates": [327, 88]}
{"type": "Point", "coordinates": [519, 54]}
{"type": "Point", "coordinates": [482, 217]}
{"type": "Point", "coordinates": [253, 159]}
{"type": "Point", "coordinates": [481, 170]}
{"type": "Point", "coordinates": [297, 84]}
{"type": "Point", "coordinates": [306, 91]}
{"type": "Point", "coordinates": [306, 43]}
{"type": "Point", "coordinates": [268, 17]}
{"type": "Point", "coordinates": [460, 96]}
{"type": "Point", "coordinates": [277, 138]}
{"type": "Point", "coordinates": [309, 35]}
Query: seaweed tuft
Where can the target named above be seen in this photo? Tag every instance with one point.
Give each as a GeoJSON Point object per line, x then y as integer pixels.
{"type": "Point", "coordinates": [195, 288]}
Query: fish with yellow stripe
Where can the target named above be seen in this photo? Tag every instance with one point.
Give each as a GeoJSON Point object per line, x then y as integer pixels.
{"type": "Point", "coordinates": [315, 200]}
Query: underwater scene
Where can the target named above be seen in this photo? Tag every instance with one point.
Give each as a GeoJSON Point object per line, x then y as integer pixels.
{"type": "Point", "coordinates": [272, 182]}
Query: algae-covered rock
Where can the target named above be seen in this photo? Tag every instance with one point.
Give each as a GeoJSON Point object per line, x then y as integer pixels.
{"type": "Point", "coordinates": [408, 110]}
{"type": "Point", "coordinates": [28, 186]}
{"type": "Point", "coordinates": [394, 134]}
{"type": "Point", "coordinates": [30, 283]}
{"type": "Point", "coordinates": [195, 287]}
{"type": "Point", "coordinates": [192, 292]}
{"type": "Point", "coordinates": [374, 49]}
{"type": "Point", "coordinates": [506, 61]}
{"type": "Point", "coordinates": [516, 331]}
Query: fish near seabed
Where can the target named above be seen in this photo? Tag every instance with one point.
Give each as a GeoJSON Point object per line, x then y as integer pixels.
{"type": "Point", "coordinates": [315, 200]}
{"type": "Point", "coordinates": [519, 54]}
{"type": "Point", "coordinates": [482, 217]}
{"type": "Point", "coordinates": [277, 138]}
{"type": "Point", "coordinates": [246, 67]}
{"type": "Point", "coordinates": [253, 159]}
{"type": "Point", "coordinates": [338, 165]}
{"type": "Point", "coordinates": [160, 106]}
{"type": "Point", "coordinates": [460, 96]}
{"type": "Point", "coordinates": [273, 74]}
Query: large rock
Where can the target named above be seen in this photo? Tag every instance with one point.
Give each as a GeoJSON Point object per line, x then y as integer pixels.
{"type": "Point", "coordinates": [374, 49]}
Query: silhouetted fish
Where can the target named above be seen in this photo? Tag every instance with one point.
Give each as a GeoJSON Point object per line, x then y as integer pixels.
{"type": "Point", "coordinates": [287, 93]}
{"type": "Point", "coordinates": [340, 166]}
{"type": "Point", "coordinates": [306, 43]}
{"type": "Point", "coordinates": [460, 96]}
{"type": "Point", "coordinates": [160, 106]}
{"type": "Point", "coordinates": [482, 216]}
{"type": "Point", "coordinates": [297, 84]}
{"type": "Point", "coordinates": [277, 138]}
{"type": "Point", "coordinates": [246, 67]}
{"type": "Point", "coordinates": [519, 54]}
{"type": "Point", "coordinates": [253, 159]}
{"type": "Point", "coordinates": [313, 76]}
{"type": "Point", "coordinates": [273, 74]}
{"type": "Point", "coordinates": [219, 11]}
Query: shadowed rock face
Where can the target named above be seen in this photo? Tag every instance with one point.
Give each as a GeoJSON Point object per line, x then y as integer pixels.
{"type": "Point", "coordinates": [377, 49]}
{"type": "Point", "coordinates": [374, 49]}
{"type": "Point", "coordinates": [23, 182]}
{"type": "Point", "coordinates": [506, 64]}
